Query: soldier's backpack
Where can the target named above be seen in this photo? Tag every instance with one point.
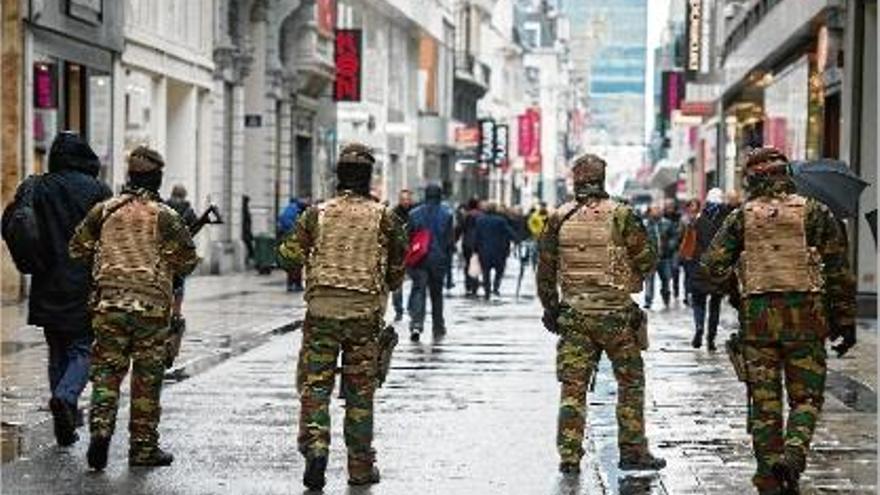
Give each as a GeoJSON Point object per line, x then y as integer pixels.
{"type": "Point", "coordinates": [21, 229]}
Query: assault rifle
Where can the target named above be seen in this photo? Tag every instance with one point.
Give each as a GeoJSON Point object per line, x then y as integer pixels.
{"type": "Point", "coordinates": [211, 216]}
{"type": "Point", "coordinates": [736, 353]}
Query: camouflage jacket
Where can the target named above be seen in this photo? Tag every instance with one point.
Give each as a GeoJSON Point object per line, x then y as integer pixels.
{"type": "Point", "coordinates": [295, 249]}
{"type": "Point", "coordinates": [176, 249]}
{"type": "Point", "coordinates": [626, 225]}
{"type": "Point", "coordinates": [788, 315]}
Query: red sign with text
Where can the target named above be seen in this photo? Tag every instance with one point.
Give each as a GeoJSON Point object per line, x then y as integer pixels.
{"type": "Point", "coordinates": [530, 139]}
{"type": "Point", "coordinates": [347, 86]}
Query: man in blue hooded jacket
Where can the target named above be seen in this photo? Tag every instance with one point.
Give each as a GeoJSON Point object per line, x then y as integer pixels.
{"type": "Point", "coordinates": [428, 275]}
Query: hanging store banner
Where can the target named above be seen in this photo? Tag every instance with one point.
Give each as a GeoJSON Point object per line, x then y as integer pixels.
{"type": "Point", "coordinates": [530, 139]}
{"type": "Point", "coordinates": [486, 152]}
{"type": "Point", "coordinates": [347, 86]}
{"type": "Point", "coordinates": [698, 33]}
{"type": "Point", "coordinates": [502, 142]}
{"type": "Point", "coordinates": [672, 86]}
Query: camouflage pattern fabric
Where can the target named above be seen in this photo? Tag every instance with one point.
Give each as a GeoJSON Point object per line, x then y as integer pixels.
{"type": "Point", "coordinates": [122, 338]}
{"type": "Point", "coordinates": [323, 340]}
{"type": "Point", "coordinates": [603, 325]}
{"type": "Point", "coordinates": [784, 332]}
{"type": "Point", "coordinates": [582, 340]}
{"type": "Point", "coordinates": [786, 316]}
{"type": "Point", "coordinates": [295, 249]}
{"type": "Point", "coordinates": [176, 250]}
{"type": "Point", "coordinates": [802, 363]}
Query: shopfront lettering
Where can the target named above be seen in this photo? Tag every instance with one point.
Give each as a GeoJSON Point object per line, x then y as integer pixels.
{"type": "Point", "coordinates": [347, 86]}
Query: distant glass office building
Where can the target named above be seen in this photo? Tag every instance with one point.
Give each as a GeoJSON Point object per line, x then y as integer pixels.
{"type": "Point", "coordinates": [608, 51]}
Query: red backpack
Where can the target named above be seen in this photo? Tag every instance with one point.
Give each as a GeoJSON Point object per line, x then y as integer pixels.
{"type": "Point", "coordinates": [419, 246]}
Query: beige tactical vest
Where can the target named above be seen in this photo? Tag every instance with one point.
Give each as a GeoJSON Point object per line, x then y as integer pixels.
{"type": "Point", "coordinates": [590, 255]}
{"type": "Point", "coordinates": [350, 252]}
{"type": "Point", "coordinates": [776, 257]}
{"type": "Point", "coordinates": [129, 262]}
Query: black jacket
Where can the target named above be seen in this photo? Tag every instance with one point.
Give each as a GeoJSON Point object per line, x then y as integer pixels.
{"type": "Point", "coordinates": [59, 296]}
{"type": "Point", "coordinates": [707, 224]}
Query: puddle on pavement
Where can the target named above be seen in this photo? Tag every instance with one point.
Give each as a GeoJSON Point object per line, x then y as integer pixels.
{"type": "Point", "coordinates": [855, 395]}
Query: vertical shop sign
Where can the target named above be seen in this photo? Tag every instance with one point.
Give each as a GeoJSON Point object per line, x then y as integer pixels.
{"type": "Point", "coordinates": [486, 151]}
{"type": "Point", "coordinates": [347, 86]}
{"type": "Point", "coordinates": [501, 144]}
{"type": "Point", "coordinates": [530, 139]}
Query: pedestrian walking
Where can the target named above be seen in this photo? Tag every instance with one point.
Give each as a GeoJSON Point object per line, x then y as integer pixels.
{"type": "Point", "coordinates": [427, 276]}
{"type": "Point", "coordinates": [247, 230]}
{"type": "Point", "coordinates": [597, 250]}
{"type": "Point", "coordinates": [285, 225]}
{"type": "Point", "coordinates": [404, 205]}
{"type": "Point", "coordinates": [687, 248]}
{"type": "Point", "coordinates": [796, 289]}
{"type": "Point", "coordinates": [469, 244]}
{"type": "Point", "coordinates": [135, 245]}
{"type": "Point", "coordinates": [183, 208]}
{"type": "Point", "coordinates": [676, 230]}
{"type": "Point", "coordinates": [354, 247]}
{"type": "Point", "coordinates": [493, 238]}
{"type": "Point", "coordinates": [660, 234]}
{"type": "Point", "coordinates": [59, 294]}
{"type": "Point", "coordinates": [705, 226]}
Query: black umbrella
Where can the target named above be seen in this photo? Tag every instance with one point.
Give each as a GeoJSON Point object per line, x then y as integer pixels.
{"type": "Point", "coordinates": [831, 182]}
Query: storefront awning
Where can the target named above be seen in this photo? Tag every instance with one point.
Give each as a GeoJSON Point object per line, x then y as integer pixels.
{"type": "Point", "coordinates": [665, 176]}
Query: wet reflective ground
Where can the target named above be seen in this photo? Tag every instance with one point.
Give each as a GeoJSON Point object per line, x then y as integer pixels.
{"type": "Point", "coordinates": [473, 413]}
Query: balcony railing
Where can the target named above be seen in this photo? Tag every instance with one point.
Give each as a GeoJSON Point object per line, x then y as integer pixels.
{"type": "Point", "coordinates": [466, 64]}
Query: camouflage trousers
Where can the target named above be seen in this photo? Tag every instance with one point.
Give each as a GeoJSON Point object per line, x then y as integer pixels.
{"type": "Point", "coordinates": [122, 338]}
{"type": "Point", "coordinates": [802, 366]}
{"type": "Point", "coordinates": [582, 339]}
{"type": "Point", "coordinates": [323, 340]}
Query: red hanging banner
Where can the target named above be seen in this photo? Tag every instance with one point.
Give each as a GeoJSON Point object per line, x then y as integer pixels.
{"type": "Point", "coordinates": [347, 86]}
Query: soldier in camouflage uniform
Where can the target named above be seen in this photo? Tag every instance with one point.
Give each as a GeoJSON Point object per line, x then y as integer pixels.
{"type": "Point", "coordinates": [789, 258]}
{"type": "Point", "coordinates": [597, 250]}
{"type": "Point", "coordinates": [352, 248]}
{"type": "Point", "coordinates": [135, 246]}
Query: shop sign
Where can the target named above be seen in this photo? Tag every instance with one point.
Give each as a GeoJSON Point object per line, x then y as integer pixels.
{"type": "Point", "coordinates": [501, 145]}
{"type": "Point", "coordinates": [672, 86]}
{"type": "Point", "coordinates": [486, 152]}
{"type": "Point", "coordinates": [467, 137]}
{"type": "Point", "coordinates": [697, 108]}
{"type": "Point", "coordinates": [530, 139]}
{"type": "Point", "coordinates": [347, 86]}
{"type": "Point", "coordinates": [698, 35]}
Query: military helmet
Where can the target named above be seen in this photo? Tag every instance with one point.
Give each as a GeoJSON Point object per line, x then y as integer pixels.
{"type": "Point", "coordinates": [765, 161]}
{"type": "Point", "coordinates": [357, 153]}
{"type": "Point", "coordinates": [144, 159]}
{"type": "Point", "coordinates": [589, 168]}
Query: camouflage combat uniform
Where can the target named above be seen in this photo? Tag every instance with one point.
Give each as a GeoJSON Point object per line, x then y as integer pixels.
{"type": "Point", "coordinates": [790, 302]}
{"type": "Point", "coordinates": [352, 248]}
{"type": "Point", "coordinates": [135, 245]}
{"type": "Point", "coordinates": [598, 256]}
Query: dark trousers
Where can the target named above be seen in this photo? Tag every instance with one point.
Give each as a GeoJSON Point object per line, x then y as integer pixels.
{"type": "Point", "coordinates": [68, 364]}
{"type": "Point", "coordinates": [699, 305]}
{"type": "Point", "coordinates": [490, 285]}
{"type": "Point", "coordinates": [675, 277]}
{"type": "Point", "coordinates": [690, 267]}
{"type": "Point", "coordinates": [664, 271]}
{"type": "Point", "coordinates": [427, 279]}
{"type": "Point", "coordinates": [397, 301]}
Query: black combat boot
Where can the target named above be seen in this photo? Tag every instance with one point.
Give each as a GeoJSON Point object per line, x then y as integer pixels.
{"type": "Point", "coordinates": [99, 447]}
{"type": "Point", "coordinates": [313, 478]}
{"type": "Point", "coordinates": [697, 342]}
{"type": "Point", "coordinates": [370, 478]}
{"type": "Point", "coordinates": [64, 422]}
{"type": "Point", "coordinates": [788, 478]}
{"type": "Point", "coordinates": [154, 457]}
{"type": "Point", "coordinates": [644, 461]}
{"type": "Point", "coordinates": [415, 333]}
{"type": "Point", "coordinates": [569, 468]}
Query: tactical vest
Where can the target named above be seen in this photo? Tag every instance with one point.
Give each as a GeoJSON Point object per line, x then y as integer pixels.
{"type": "Point", "coordinates": [591, 255]}
{"type": "Point", "coordinates": [776, 257]}
{"type": "Point", "coordinates": [350, 252]}
{"type": "Point", "coordinates": [128, 260]}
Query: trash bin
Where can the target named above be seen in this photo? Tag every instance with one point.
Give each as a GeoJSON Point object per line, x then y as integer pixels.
{"type": "Point", "coordinates": [264, 253]}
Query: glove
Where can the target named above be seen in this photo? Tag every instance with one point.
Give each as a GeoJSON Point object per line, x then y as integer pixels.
{"type": "Point", "coordinates": [549, 320]}
{"type": "Point", "coordinates": [847, 337]}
